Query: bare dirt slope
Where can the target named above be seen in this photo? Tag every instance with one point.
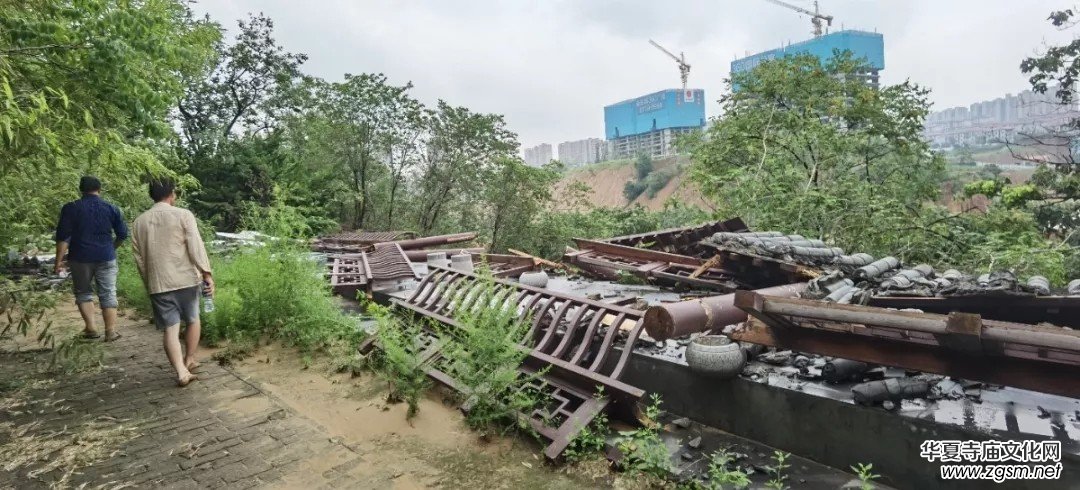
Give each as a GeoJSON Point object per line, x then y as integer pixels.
{"type": "Point", "coordinates": [606, 181]}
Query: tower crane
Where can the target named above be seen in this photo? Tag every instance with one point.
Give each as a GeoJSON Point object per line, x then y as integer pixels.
{"type": "Point", "coordinates": [816, 17]}
{"type": "Point", "coordinates": [684, 67]}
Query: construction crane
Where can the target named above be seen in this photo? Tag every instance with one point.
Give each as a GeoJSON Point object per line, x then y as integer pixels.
{"type": "Point", "coordinates": [684, 67]}
{"type": "Point", "coordinates": [816, 17]}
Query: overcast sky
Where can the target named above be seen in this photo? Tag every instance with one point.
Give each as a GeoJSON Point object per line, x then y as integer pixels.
{"type": "Point", "coordinates": [550, 66]}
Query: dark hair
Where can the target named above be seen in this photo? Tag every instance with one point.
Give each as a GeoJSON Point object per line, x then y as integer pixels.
{"type": "Point", "coordinates": [161, 188]}
{"type": "Point", "coordinates": [89, 184]}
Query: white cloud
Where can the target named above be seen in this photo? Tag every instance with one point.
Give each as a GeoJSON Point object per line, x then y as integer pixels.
{"type": "Point", "coordinates": [551, 66]}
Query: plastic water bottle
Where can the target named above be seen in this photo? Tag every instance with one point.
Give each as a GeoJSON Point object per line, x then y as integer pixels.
{"type": "Point", "coordinates": [208, 299]}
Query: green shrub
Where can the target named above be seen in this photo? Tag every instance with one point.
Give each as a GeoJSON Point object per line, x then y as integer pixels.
{"type": "Point", "coordinates": [632, 189]}
{"type": "Point", "coordinates": [275, 292]}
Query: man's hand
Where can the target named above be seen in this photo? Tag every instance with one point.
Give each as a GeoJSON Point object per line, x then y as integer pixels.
{"type": "Point", "coordinates": [61, 253]}
{"type": "Point", "coordinates": [208, 283]}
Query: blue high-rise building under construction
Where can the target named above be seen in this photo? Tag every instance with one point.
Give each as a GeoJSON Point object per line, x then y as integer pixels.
{"type": "Point", "coordinates": [867, 46]}
{"type": "Point", "coordinates": [649, 124]}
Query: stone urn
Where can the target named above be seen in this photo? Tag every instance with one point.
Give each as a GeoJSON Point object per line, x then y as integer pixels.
{"type": "Point", "coordinates": [716, 356]}
{"type": "Point", "coordinates": [534, 279]}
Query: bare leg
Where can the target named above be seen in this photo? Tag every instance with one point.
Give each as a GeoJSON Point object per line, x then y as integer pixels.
{"type": "Point", "coordinates": [86, 309]}
{"type": "Point", "coordinates": [172, 351]}
{"type": "Point", "coordinates": [109, 315]}
{"type": "Point", "coordinates": [191, 344]}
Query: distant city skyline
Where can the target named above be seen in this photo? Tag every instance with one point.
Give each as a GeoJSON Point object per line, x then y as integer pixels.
{"type": "Point", "coordinates": [550, 67]}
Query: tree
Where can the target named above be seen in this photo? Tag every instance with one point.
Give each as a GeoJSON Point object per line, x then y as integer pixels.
{"type": "Point", "coordinates": [808, 147]}
{"type": "Point", "coordinates": [246, 93]}
{"type": "Point", "coordinates": [1057, 181]}
{"type": "Point", "coordinates": [372, 129]}
{"type": "Point", "coordinates": [460, 145]}
{"type": "Point", "coordinates": [516, 193]}
{"type": "Point", "coordinates": [86, 87]}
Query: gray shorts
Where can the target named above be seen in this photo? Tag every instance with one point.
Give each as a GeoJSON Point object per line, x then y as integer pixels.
{"type": "Point", "coordinates": [87, 276]}
{"type": "Point", "coordinates": [173, 307]}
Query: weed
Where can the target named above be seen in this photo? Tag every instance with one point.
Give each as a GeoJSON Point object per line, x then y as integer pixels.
{"type": "Point", "coordinates": [483, 356]}
{"type": "Point", "coordinates": [592, 439]}
{"type": "Point", "coordinates": [643, 450]}
{"type": "Point", "coordinates": [866, 475]}
{"type": "Point", "coordinates": [400, 362]}
{"type": "Point", "coordinates": [777, 478]}
{"type": "Point", "coordinates": [722, 476]}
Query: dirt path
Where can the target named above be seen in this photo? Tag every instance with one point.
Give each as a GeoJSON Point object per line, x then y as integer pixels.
{"type": "Point", "coordinates": [267, 422]}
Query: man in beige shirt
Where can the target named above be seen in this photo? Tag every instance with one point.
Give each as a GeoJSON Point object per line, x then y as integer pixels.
{"type": "Point", "coordinates": [172, 261]}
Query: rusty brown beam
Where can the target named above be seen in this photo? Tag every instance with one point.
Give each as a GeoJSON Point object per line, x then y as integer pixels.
{"type": "Point", "coordinates": [435, 241]}
{"type": "Point", "coordinates": [703, 314]}
{"type": "Point", "coordinates": [963, 345]}
{"type": "Point", "coordinates": [1059, 310]}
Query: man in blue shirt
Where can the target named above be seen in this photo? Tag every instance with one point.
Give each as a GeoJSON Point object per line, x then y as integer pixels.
{"type": "Point", "coordinates": [85, 233]}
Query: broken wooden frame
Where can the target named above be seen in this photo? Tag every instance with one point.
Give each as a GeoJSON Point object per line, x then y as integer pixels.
{"type": "Point", "coordinates": [368, 271]}
{"type": "Point", "coordinates": [570, 341]}
{"type": "Point", "coordinates": [606, 260]}
{"type": "Point", "coordinates": [504, 266]}
{"type": "Point", "coordinates": [1033, 357]}
{"type": "Point", "coordinates": [678, 240]}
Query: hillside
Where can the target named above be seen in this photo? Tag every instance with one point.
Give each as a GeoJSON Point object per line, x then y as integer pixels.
{"type": "Point", "coordinates": [606, 181]}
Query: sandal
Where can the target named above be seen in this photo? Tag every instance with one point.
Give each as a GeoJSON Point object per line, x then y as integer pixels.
{"type": "Point", "coordinates": [91, 334]}
{"type": "Point", "coordinates": [111, 336]}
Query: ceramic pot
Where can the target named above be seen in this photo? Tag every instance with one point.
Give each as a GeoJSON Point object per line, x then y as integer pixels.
{"type": "Point", "coordinates": [716, 356]}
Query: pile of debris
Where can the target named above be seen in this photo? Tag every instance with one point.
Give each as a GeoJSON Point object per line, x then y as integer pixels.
{"type": "Point", "coordinates": [824, 313]}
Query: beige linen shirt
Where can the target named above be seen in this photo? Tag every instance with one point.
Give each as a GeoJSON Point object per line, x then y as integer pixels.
{"type": "Point", "coordinates": [169, 251]}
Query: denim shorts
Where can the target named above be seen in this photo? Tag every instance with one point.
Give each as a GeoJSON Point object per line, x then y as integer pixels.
{"type": "Point", "coordinates": [87, 276]}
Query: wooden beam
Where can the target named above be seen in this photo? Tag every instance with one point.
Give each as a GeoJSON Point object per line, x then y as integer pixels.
{"type": "Point", "coordinates": [1026, 374]}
